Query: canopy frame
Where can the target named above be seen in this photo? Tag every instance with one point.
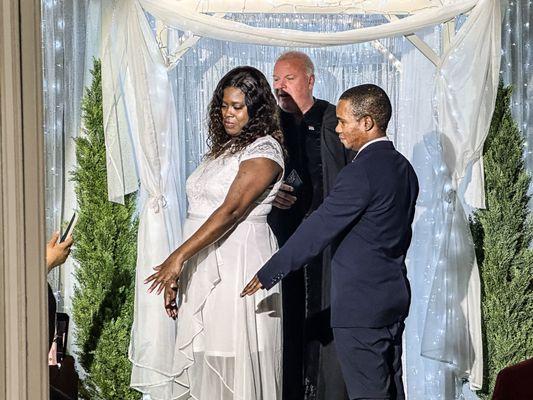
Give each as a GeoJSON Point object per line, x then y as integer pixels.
{"type": "Point", "coordinates": [221, 9]}
{"type": "Point", "coordinates": [135, 77]}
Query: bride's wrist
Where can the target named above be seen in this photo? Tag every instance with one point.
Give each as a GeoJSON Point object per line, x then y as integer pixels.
{"type": "Point", "coordinates": [178, 257]}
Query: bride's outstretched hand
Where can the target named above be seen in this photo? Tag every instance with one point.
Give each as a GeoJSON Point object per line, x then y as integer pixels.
{"type": "Point", "coordinates": [170, 294]}
{"type": "Point", "coordinates": [167, 273]}
{"type": "Point", "coordinates": [253, 286]}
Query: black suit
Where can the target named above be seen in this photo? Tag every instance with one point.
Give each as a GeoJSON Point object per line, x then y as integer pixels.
{"type": "Point", "coordinates": [310, 366]}
{"type": "Point", "coordinates": [370, 210]}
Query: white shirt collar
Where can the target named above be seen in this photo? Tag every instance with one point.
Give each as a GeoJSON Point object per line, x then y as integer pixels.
{"type": "Point", "coordinates": [380, 139]}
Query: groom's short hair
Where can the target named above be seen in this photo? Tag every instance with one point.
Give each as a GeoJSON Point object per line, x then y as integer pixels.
{"type": "Point", "coordinates": [370, 100]}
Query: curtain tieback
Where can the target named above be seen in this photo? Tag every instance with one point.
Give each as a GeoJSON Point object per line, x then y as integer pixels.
{"type": "Point", "coordinates": [450, 194]}
{"type": "Point", "coordinates": [157, 202]}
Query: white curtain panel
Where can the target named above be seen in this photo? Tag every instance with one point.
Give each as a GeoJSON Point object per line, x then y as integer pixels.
{"type": "Point", "coordinates": [135, 83]}
{"type": "Point", "coordinates": [67, 58]}
{"type": "Point", "coordinates": [517, 61]}
{"type": "Point", "coordinates": [465, 97]}
{"type": "Point", "coordinates": [53, 36]}
{"type": "Point", "coordinates": [418, 140]}
{"type": "Point", "coordinates": [139, 114]}
{"type": "Point", "coordinates": [63, 36]}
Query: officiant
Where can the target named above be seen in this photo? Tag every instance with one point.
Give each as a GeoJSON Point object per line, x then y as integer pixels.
{"type": "Point", "coordinates": [315, 157]}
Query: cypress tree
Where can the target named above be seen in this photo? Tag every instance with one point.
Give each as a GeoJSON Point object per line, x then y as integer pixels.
{"type": "Point", "coordinates": [503, 233]}
{"type": "Point", "coordinates": [105, 251]}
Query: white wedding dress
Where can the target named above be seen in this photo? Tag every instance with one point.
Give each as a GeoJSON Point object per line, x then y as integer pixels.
{"type": "Point", "coordinates": [228, 347]}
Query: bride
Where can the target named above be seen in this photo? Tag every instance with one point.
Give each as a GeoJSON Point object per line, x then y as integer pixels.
{"type": "Point", "coordinates": [228, 347]}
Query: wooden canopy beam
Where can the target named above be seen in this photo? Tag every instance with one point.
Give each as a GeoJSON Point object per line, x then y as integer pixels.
{"type": "Point", "coordinates": [419, 43]}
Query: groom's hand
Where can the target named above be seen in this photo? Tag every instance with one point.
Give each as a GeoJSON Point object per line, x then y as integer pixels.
{"type": "Point", "coordinates": [253, 286]}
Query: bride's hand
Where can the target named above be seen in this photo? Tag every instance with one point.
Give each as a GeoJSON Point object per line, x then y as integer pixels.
{"type": "Point", "coordinates": [167, 273]}
{"type": "Point", "coordinates": [171, 307]}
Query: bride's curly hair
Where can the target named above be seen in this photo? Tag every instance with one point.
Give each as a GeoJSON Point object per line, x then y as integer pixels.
{"type": "Point", "coordinates": [261, 107]}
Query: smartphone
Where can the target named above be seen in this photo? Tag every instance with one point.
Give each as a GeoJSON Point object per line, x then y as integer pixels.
{"type": "Point", "coordinates": [294, 180]}
{"type": "Point", "coordinates": [70, 227]}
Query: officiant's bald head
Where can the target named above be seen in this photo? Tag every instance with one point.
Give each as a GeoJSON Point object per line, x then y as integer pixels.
{"type": "Point", "coordinates": [294, 79]}
{"type": "Point", "coordinates": [298, 57]}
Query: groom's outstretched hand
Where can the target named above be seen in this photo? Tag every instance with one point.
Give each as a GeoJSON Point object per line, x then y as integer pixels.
{"type": "Point", "coordinates": [253, 286]}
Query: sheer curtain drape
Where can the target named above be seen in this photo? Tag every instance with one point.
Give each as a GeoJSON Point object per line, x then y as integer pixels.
{"type": "Point", "coordinates": [64, 32]}
{"type": "Point", "coordinates": [71, 38]}
{"type": "Point", "coordinates": [140, 110]}
{"type": "Point", "coordinates": [439, 373]}
{"type": "Point", "coordinates": [517, 63]}
{"type": "Point", "coordinates": [53, 32]}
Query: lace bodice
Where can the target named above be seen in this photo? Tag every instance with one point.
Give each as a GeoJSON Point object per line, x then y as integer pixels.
{"type": "Point", "coordinates": [209, 184]}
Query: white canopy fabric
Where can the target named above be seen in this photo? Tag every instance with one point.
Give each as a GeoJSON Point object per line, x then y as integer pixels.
{"type": "Point", "coordinates": [396, 7]}
{"type": "Point", "coordinates": [222, 29]}
{"type": "Point", "coordinates": [139, 114]}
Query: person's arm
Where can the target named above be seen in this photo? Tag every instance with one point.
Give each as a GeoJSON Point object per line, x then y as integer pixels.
{"type": "Point", "coordinates": [347, 201]}
{"type": "Point", "coordinates": [253, 178]}
{"type": "Point", "coordinates": [57, 253]}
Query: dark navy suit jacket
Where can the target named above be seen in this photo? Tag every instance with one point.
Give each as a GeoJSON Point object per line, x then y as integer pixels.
{"type": "Point", "coordinates": [370, 210]}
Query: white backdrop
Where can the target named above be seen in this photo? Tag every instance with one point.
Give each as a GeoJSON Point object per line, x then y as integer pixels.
{"type": "Point", "coordinates": [517, 61]}
{"type": "Point", "coordinates": [442, 143]}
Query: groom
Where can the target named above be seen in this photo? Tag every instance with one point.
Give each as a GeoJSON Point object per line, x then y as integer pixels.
{"type": "Point", "coordinates": [370, 210]}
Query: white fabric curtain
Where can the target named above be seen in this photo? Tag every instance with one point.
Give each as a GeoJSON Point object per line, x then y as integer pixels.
{"type": "Point", "coordinates": [137, 107]}
{"type": "Point", "coordinates": [517, 61]}
{"type": "Point", "coordinates": [465, 97]}
{"type": "Point", "coordinates": [67, 55]}
{"type": "Point", "coordinates": [444, 324]}
{"type": "Point", "coordinates": [417, 140]}
{"type": "Point", "coordinates": [53, 34]}
{"type": "Point", "coordinates": [138, 103]}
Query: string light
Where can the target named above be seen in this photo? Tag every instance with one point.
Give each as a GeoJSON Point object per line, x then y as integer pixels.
{"type": "Point", "coordinates": [517, 52]}
{"type": "Point", "coordinates": [53, 26]}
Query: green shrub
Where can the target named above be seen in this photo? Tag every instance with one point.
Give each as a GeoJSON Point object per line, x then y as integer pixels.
{"type": "Point", "coordinates": [105, 250]}
{"type": "Point", "coordinates": [503, 233]}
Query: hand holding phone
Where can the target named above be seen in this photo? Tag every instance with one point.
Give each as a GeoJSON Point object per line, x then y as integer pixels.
{"type": "Point", "coordinates": [288, 192]}
{"type": "Point", "coordinates": [294, 180]}
{"type": "Point", "coordinates": [58, 249]}
{"type": "Point", "coordinates": [70, 227]}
